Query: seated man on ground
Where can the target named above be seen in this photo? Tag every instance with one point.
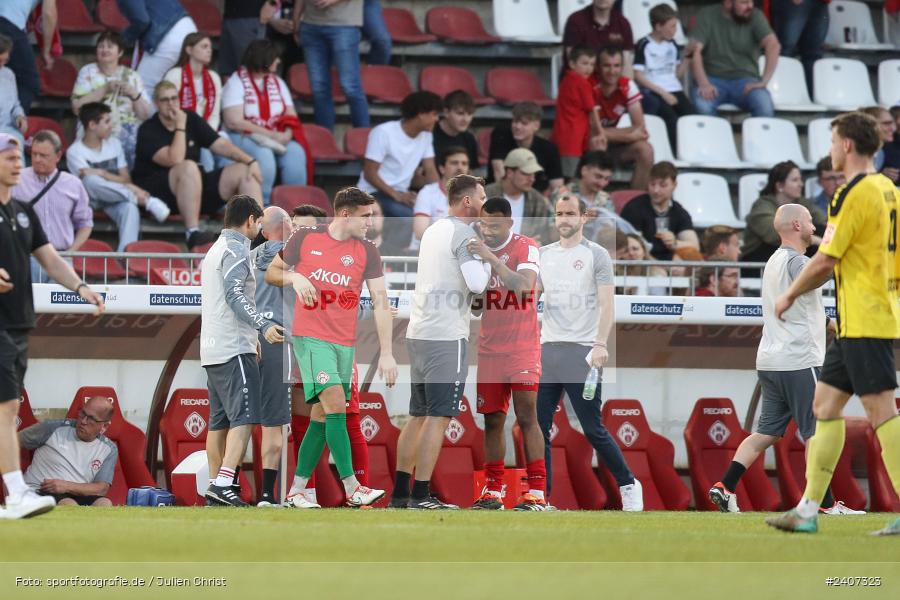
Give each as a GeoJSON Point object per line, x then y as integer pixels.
{"type": "Point", "coordinates": [73, 460]}
{"type": "Point", "coordinates": [168, 157]}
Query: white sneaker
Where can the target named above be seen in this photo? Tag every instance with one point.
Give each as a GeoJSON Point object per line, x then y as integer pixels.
{"type": "Point", "coordinates": [267, 504]}
{"type": "Point", "coordinates": [159, 209]}
{"type": "Point", "coordinates": [840, 508]}
{"type": "Point", "coordinates": [28, 504]}
{"type": "Point", "coordinates": [726, 501]}
{"type": "Point", "coordinates": [632, 496]}
{"type": "Point", "coordinates": [299, 500]}
{"type": "Point", "coordinates": [364, 496]}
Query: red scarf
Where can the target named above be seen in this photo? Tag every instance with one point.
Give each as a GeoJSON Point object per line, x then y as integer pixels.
{"type": "Point", "coordinates": [188, 96]}
{"type": "Point", "coordinates": [262, 98]}
{"type": "Point", "coordinates": [296, 127]}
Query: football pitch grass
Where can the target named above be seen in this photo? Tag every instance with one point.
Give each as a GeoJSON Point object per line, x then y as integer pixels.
{"type": "Point", "coordinates": [369, 554]}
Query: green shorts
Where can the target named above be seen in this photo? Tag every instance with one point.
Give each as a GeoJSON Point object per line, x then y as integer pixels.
{"type": "Point", "coordinates": [322, 365]}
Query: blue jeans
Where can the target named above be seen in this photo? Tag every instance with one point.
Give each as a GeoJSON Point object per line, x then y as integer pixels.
{"type": "Point", "coordinates": [758, 102]}
{"type": "Point", "coordinates": [563, 368]}
{"type": "Point", "coordinates": [324, 46]}
{"type": "Point", "coordinates": [291, 164]}
{"type": "Point", "coordinates": [801, 29]}
{"type": "Point", "coordinates": [377, 33]}
{"type": "Point", "coordinates": [21, 63]}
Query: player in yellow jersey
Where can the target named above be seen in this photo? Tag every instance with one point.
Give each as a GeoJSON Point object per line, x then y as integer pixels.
{"type": "Point", "coordinates": [860, 247]}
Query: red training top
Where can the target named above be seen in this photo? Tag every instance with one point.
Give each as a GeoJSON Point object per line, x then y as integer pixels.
{"type": "Point", "coordinates": [574, 103]}
{"type": "Point", "coordinates": [615, 105]}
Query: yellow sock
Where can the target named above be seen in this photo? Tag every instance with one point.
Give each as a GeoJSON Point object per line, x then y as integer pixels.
{"type": "Point", "coordinates": [889, 436]}
{"type": "Point", "coordinates": [822, 456]}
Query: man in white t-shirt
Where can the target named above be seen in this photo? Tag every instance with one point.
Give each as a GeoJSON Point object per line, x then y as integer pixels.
{"type": "Point", "coordinates": [431, 201]}
{"type": "Point", "coordinates": [531, 212]}
{"type": "Point", "coordinates": [393, 154]}
{"type": "Point", "coordinates": [99, 160]}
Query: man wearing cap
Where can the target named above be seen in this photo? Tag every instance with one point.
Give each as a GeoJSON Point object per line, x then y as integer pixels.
{"type": "Point", "coordinates": [21, 235]}
{"type": "Point", "coordinates": [531, 213]}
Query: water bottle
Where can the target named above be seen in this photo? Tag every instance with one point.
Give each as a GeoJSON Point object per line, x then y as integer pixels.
{"type": "Point", "coordinates": [590, 384]}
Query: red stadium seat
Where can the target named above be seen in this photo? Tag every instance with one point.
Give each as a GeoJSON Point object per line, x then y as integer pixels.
{"type": "Point", "coordinates": [142, 267]}
{"type": "Point", "coordinates": [443, 80]}
{"type": "Point", "coordinates": [712, 435]}
{"type": "Point", "coordinates": [202, 248]}
{"type": "Point", "coordinates": [381, 436]}
{"type": "Point", "coordinates": [355, 141]}
{"type": "Point", "coordinates": [402, 26]}
{"type": "Point", "coordinates": [650, 456]}
{"type": "Point", "coordinates": [457, 25]}
{"type": "Point", "coordinates": [207, 17]}
{"type": "Point", "coordinates": [322, 144]}
{"type": "Point", "coordinates": [881, 490]}
{"type": "Point", "coordinates": [461, 454]}
{"type": "Point", "coordinates": [289, 197]}
{"type": "Point", "coordinates": [130, 440]}
{"type": "Point", "coordinates": [509, 86]}
{"type": "Point", "coordinates": [484, 145]}
{"type": "Point", "coordinates": [575, 486]}
{"type": "Point", "coordinates": [74, 17]}
{"type": "Point", "coordinates": [622, 197]}
{"type": "Point", "coordinates": [384, 83]}
{"type": "Point", "coordinates": [298, 81]}
{"type": "Point", "coordinates": [59, 80]}
{"type": "Point", "coordinates": [36, 124]}
{"type": "Point", "coordinates": [100, 269]}
{"type": "Point", "coordinates": [183, 429]}
{"type": "Point", "coordinates": [25, 419]}
{"type": "Point", "coordinates": [109, 15]}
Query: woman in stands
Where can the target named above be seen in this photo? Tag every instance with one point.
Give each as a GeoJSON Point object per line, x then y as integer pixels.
{"type": "Point", "coordinates": [118, 87]}
{"type": "Point", "coordinates": [630, 246]}
{"type": "Point", "coordinates": [260, 118]}
{"type": "Point", "coordinates": [199, 87]}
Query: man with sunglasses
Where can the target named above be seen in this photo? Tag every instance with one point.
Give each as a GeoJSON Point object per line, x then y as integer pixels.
{"type": "Point", "coordinates": [73, 460]}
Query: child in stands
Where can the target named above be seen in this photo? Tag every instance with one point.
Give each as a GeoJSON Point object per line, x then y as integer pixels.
{"type": "Point", "coordinates": [576, 121]}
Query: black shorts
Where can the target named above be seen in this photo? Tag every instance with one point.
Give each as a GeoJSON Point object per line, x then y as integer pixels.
{"type": "Point", "coordinates": [80, 500]}
{"type": "Point", "coordinates": [275, 389]}
{"type": "Point", "coordinates": [860, 365]}
{"type": "Point", "coordinates": [157, 184]}
{"type": "Point", "coordinates": [13, 362]}
{"type": "Point", "coordinates": [438, 372]}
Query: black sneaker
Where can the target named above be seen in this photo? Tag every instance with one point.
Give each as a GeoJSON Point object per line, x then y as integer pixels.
{"type": "Point", "coordinates": [488, 502]}
{"type": "Point", "coordinates": [399, 503]}
{"type": "Point", "coordinates": [198, 238]}
{"type": "Point", "coordinates": [225, 495]}
{"type": "Point", "coordinates": [211, 502]}
{"type": "Point", "coordinates": [430, 503]}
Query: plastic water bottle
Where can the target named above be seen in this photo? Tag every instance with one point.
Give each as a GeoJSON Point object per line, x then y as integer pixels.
{"type": "Point", "coordinates": [590, 384]}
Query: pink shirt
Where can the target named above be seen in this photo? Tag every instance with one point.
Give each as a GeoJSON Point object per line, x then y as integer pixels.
{"type": "Point", "coordinates": [63, 210]}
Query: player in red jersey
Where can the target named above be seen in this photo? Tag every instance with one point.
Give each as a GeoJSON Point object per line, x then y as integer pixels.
{"type": "Point", "coordinates": [509, 353]}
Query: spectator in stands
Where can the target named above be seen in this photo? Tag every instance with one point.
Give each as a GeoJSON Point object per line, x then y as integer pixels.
{"type": "Point", "coordinates": [431, 201]}
{"type": "Point", "coordinates": [829, 180]}
{"type": "Point", "coordinates": [716, 280]}
{"type": "Point", "coordinates": [887, 159]}
{"type": "Point", "coordinates": [724, 64]}
{"type": "Point", "coordinates": [375, 30]}
{"type": "Point", "coordinates": [330, 33]}
{"type": "Point", "coordinates": [58, 198]}
{"type": "Point", "coordinates": [118, 87]}
{"type": "Point", "coordinates": [616, 95]}
{"type": "Point", "coordinates": [258, 101]}
{"type": "Point", "coordinates": [659, 218]}
{"type": "Point", "coordinates": [453, 129]}
{"type": "Point", "coordinates": [599, 26]}
{"type": "Point", "coordinates": [659, 69]}
{"type": "Point", "coordinates": [160, 27]}
{"type": "Point", "coordinates": [199, 87]}
{"type": "Point", "coordinates": [633, 247]}
{"type": "Point", "coordinates": [307, 215]}
{"type": "Point", "coordinates": [393, 154]}
{"type": "Point", "coordinates": [522, 133]}
{"type": "Point", "coordinates": [168, 153]}
{"type": "Point", "coordinates": [801, 27]}
{"type": "Point", "coordinates": [73, 460]}
{"type": "Point", "coordinates": [98, 159]}
{"type": "Point", "coordinates": [576, 118]}
{"type": "Point", "coordinates": [784, 186]}
{"type": "Point", "coordinates": [531, 212]}
{"type": "Point", "coordinates": [13, 19]}
{"type": "Point", "coordinates": [12, 116]}
{"type": "Point", "coordinates": [721, 240]}
{"type": "Point", "coordinates": [280, 29]}
{"type": "Point", "coordinates": [242, 22]}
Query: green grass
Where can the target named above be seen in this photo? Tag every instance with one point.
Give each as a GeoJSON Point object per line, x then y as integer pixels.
{"type": "Point", "coordinates": [498, 555]}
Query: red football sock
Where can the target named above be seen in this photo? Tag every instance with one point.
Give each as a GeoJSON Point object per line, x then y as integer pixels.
{"type": "Point", "coordinates": [537, 475]}
{"type": "Point", "coordinates": [493, 472]}
{"type": "Point", "coordinates": [359, 448]}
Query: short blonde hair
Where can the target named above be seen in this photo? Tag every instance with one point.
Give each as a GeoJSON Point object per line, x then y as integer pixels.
{"type": "Point", "coordinates": [163, 85]}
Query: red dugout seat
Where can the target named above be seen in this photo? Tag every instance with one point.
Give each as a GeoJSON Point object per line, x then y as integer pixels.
{"type": "Point", "coordinates": [650, 456]}
{"type": "Point", "coordinates": [385, 83]}
{"type": "Point", "coordinates": [98, 268]}
{"type": "Point", "coordinates": [461, 454]}
{"type": "Point", "coordinates": [24, 420]}
{"type": "Point", "coordinates": [289, 197]}
{"type": "Point", "coordinates": [443, 80]}
{"type": "Point", "coordinates": [712, 436]}
{"type": "Point", "coordinates": [207, 17]}
{"type": "Point", "coordinates": [574, 486]}
{"type": "Point", "coordinates": [298, 81]}
{"type": "Point", "coordinates": [402, 26]}
{"type": "Point", "coordinates": [457, 25]}
{"type": "Point", "coordinates": [142, 267]}
{"type": "Point", "coordinates": [509, 86]}
{"type": "Point", "coordinates": [381, 436]}
{"type": "Point", "coordinates": [322, 144]}
{"type": "Point", "coordinates": [109, 15]}
{"type": "Point", "coordinates": [790, 463]}
{"type": "Point", "coordinates": [59, 80]}
{"type": "Point", "coordinates": [356, 140]}
{"type": "Point", "coordinates": [74, 17]}
{"type": "Point", "coordinates": [130, 440]}
{"type": "Point", "coordinates": [881, 490]}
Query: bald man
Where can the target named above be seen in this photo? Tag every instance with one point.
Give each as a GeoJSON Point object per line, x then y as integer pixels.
{"type": "Point", "coordinates": [788, 360]}
{"type": "Point", "coordinates": [274, 365]}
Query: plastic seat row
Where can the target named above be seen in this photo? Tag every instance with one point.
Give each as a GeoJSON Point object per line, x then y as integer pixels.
{"type": "Point", "coordinates": [75, 18]}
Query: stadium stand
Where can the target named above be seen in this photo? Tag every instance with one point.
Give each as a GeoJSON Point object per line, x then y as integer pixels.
{"type": "Point", "coordinates": [58, 80]}
{"type": "Point", "coordinates": [109, 15]}
{"type": "Point", "coordinates": [458, 25]}
{"type": "Point", "coordinates": [818, 136]}
{"type": "Point", "coordinates": [638, 14]}
{"type": "Point", "coordinates": [524, 21]}
{"type": "Point", "coordinates": [36, 124]}
{"type": "Point", "coordinates": [706, 197]}
{"type": "Point", "coordinates": [381, 436]}
{"type": "Point", "coordinates": [207, 17]}
{"type": "Point", "coordinates": [384, 83]}
{"type": "Point", "coordinates": [143, 268]}
{"type": "Point", "coordinates": [768, 140]}
{"type": "Point", "coordinates": [881, 492]}
{"type": "Point", "coordinates": [712, 435]}
{"type": "Point", "coordinates": [509, 86]}
{"type": "Point", "coordinates": [564, 8]}
{"type": "Point", "coordinates": [707, 142]}
{"type": "Point", "coordinates": [443, 80]}
{"type": "Point", "coordinates": [403, 28]}
{"type": "Point", "coordinates": [355, 141]}
{"type": "Point", "coordinates": [289, 197]}
{"type": "Point", "coordinates": [649, 455]}
{"type": "Point", "coordinates": [850, 27]}
{"type": "Point", "coordinates": [97, 268]}
{"type": "Point", "coordinates": [298, 81]}
{"type": "Point", "coordinates": [842, 84]}
{"type": "Point", "coordinates": [658, 136]}
{"type": "Point", "coordinates": [788, 86]}
{"type": "Point", "coordinates": [620, 198]}
{"type": "Point", "coordinates": [461, 454]}
{"type": "Point", "coordinates": [749, 187]}
{"type": "Point", "coordinates": [322, 144]}
{"type": "Point", "coordinates": [889, 82]}
{"type": "Point", "coordinates": [75, 18]}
